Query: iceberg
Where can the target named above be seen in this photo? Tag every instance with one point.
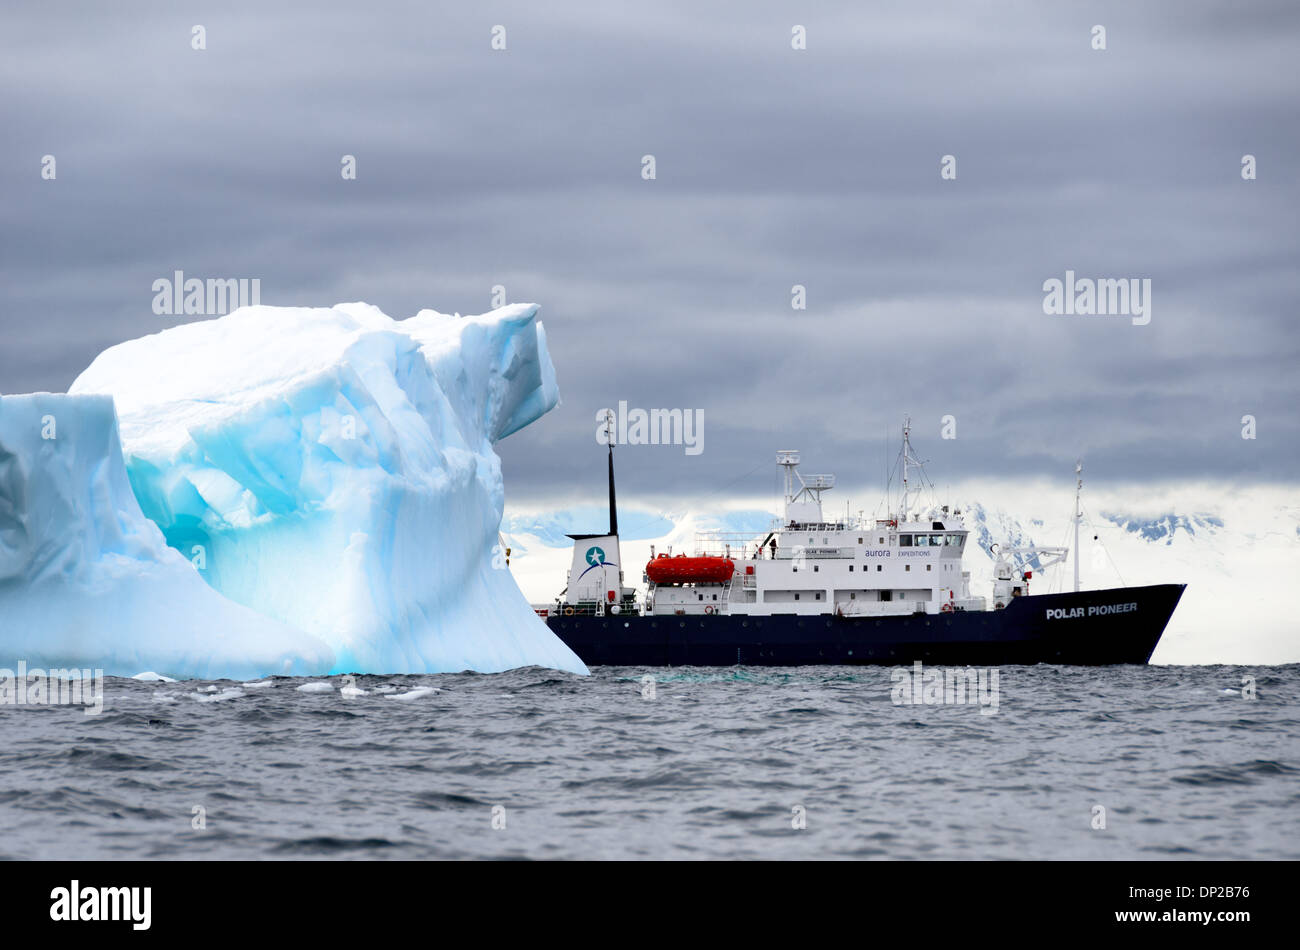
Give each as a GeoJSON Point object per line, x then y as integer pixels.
{"type": "Point", "coordinates": [86, 580]}
{"type": "Point", "coordinates": [328, 472]}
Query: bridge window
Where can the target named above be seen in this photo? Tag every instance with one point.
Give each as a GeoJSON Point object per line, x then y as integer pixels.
{"type": "Point", "coordinates": [904, 540]}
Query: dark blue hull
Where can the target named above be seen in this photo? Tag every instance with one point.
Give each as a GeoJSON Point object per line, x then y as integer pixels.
{"type": "Point", "coordinates": [1088, 628]}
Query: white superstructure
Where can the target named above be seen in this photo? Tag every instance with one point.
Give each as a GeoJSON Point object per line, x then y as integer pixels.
{"type": "Point", "coordinates": [909, 562]}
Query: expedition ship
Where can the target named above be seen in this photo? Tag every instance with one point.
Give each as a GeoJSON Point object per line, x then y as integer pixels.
{"type": "Point", "coordinates": [813, 591]}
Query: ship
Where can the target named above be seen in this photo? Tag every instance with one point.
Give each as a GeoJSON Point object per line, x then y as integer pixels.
{"type": "Point", "coordinates": [813, 590]}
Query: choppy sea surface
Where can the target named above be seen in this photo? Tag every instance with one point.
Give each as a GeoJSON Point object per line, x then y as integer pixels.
{"type": "Point", "coordinates": [741, 762]}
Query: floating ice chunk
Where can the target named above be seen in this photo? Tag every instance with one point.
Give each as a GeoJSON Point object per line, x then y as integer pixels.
{"type": "Point", "coordinates": [334, 469]}
{"type": "Point", "coordinates": [320, 686]}
{"type": "Point", "coordinates": [417, 693]}
{"type": "Point", "coordinates": [150, 677]}
{"type": "Point", "coordinates": [260, 684]}
{"type": "Point", "coordinates": [225, 694]}
{"type": "Point", "coordinates": [352, 691]}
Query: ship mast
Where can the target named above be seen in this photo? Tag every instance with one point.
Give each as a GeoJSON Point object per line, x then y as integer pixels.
{"type": "Point", "coordinates": [907, 430]}
{"type": "Point", "coordinates": [908, 460]}
{"type": "Point", "coordinates": [1078, 517]}
{"type": "Point", "coordinates": [613, 509]}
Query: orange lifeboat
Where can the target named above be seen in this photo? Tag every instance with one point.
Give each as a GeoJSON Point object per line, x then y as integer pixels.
{"type": "Point", "coordinates": [681, 569]}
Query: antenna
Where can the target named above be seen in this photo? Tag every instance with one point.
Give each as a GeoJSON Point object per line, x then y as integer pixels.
{"type": "Point", "coordinates": [1078, 516]}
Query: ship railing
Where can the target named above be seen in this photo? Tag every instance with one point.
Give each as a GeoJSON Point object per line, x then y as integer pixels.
{"type": "Point", "coordinates": [741, 544]}
{"type": "Point", "coordinates": [594, 609]}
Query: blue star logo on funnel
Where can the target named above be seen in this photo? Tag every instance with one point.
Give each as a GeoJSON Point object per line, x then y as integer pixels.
{"type": "Point", "coordinates": [596, 558]}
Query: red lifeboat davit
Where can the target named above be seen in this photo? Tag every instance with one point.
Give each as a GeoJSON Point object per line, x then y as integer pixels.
{"type": "Point", "coordinates": [666, 569]}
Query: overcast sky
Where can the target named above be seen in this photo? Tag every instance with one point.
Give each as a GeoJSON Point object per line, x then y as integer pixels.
{"type": "Point", "coordinates": [774, 167]}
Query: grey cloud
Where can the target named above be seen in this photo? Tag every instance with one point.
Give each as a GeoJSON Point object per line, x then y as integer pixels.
{"type": "Point", "coordinates": [775, 168]}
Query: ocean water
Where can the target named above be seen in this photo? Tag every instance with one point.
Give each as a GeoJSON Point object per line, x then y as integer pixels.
{"type": "Point", "coordinates": [812, 762]}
